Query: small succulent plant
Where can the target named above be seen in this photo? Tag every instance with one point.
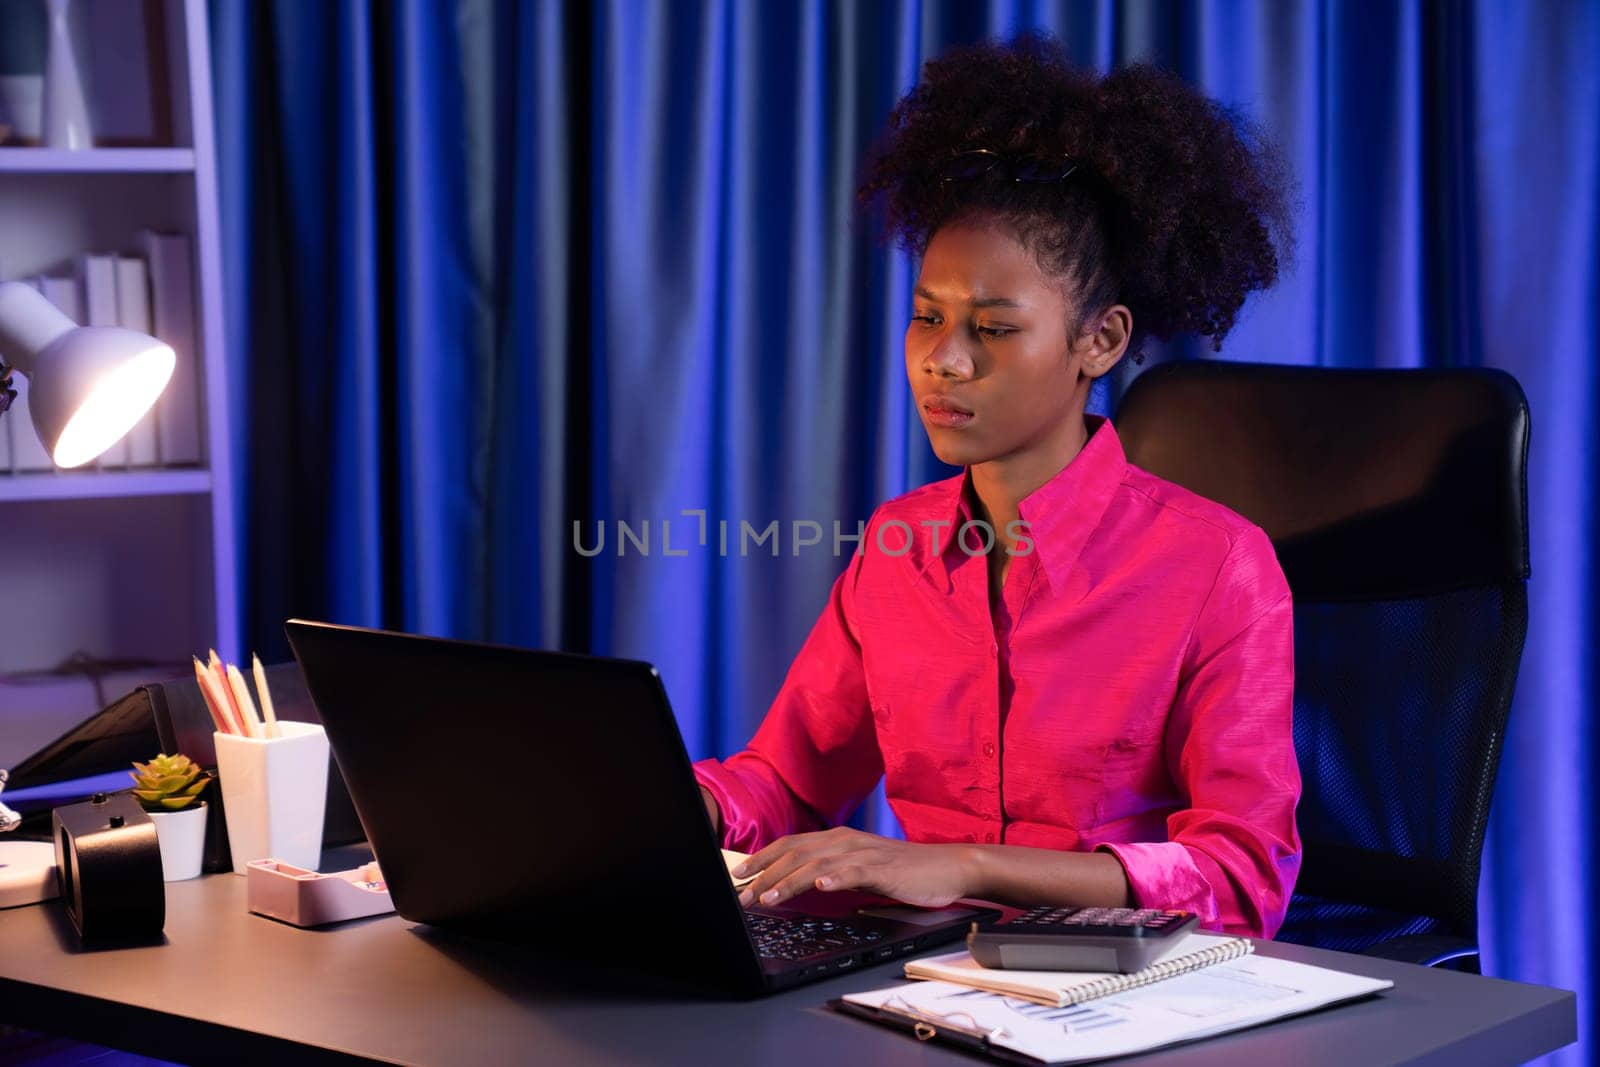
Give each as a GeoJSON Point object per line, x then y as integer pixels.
{"type": "Point", "coordinates": [168, 783]}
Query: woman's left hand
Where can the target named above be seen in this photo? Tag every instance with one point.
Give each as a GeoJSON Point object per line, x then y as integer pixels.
{"type": "Point", "coordinates": [842, 858]}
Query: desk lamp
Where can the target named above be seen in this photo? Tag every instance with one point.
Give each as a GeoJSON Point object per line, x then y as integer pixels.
{"type": "Point", "coordinates": [27, 868]}
{"type": "Point", "coordinates": [88, 385]}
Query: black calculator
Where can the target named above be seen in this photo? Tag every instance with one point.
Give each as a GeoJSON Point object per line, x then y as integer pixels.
{"type": "Point", "coordinates": [1121, 940]}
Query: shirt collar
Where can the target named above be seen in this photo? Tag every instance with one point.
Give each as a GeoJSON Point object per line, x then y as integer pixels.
{"type": "Point", "coordinates": [1060, 514]}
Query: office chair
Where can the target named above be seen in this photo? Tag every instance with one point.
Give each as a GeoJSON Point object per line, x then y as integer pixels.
{"type": "Point", "coordinates": [1397, 502]}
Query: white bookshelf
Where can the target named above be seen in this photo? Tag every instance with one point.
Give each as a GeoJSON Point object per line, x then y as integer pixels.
{"type": "Point", "coordinates": [88, 485]}
{"type": "Point", "coordinates": [97, 161]}
{"type": "Point", "coordinates": [132, 563]}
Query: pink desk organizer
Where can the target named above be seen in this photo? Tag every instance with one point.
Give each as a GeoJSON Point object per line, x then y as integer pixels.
{"type": "Point", "coordinates": [305, 898]}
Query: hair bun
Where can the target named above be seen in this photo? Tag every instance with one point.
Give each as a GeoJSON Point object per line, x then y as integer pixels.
{"type": "Point", "coordinates": [1180, 208]}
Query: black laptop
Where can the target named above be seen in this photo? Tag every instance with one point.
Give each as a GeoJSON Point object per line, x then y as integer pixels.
{"type": "Point", "coordinates": [547, 798]}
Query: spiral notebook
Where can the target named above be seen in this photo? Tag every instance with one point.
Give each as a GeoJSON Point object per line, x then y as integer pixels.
{"type": "Point", "coordinates": [1210, 999]}
{"type": "Point", "coordinates": [1060, 989]}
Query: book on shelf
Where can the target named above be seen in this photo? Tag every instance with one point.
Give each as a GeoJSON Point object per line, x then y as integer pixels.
{"type": "Point", "coordinates": [64, 293]}
{"type": "Point", "coordinates": [169, 257]}
{"type": "Point", "coordinates": [133, 313]}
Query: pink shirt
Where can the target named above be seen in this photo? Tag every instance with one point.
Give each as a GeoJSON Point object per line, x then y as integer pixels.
{"type": "Point", "coordinates": [1133, 693]}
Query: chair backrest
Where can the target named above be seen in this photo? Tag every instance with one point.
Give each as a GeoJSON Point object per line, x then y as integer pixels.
{"type": "Point", "coordinates": [1397, 502]}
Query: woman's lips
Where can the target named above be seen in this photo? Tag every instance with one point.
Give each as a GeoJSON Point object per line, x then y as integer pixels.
{"type": "Point", "coordinates": [943, 413]}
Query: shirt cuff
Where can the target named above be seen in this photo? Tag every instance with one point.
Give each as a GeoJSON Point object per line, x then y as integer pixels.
{"type": "Point", "coordinates": [1163, 875]}
{"type": "Point", "coordinates": [737, 833]}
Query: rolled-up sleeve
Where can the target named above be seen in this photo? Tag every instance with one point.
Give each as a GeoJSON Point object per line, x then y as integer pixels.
{"type": "Point", "coordinates": [1233, 854]}
{"type": "Point", "coordinates": [815, 756]}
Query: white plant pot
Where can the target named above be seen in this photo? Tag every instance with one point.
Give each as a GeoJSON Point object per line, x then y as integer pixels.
{"type": "Point", "coordinates": [182, 837]}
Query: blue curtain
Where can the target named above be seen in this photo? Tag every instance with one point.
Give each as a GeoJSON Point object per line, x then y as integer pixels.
{"type": "Point", "coordinates": [495, 268]}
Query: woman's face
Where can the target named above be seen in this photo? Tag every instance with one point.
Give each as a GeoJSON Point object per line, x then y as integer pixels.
{"type": "Point", "coordinates": [987, 351]}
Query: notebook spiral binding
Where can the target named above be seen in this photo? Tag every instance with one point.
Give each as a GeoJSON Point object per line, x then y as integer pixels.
{"type": "Point", "coordinates": [1157, 972]}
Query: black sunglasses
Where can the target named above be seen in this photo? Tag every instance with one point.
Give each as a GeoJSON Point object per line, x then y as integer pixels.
{"type": "Point", "coordinates": [976, 162]}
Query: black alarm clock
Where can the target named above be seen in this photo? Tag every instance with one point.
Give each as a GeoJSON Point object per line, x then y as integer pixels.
{"type": "Point", "coordinates": [108, 864]}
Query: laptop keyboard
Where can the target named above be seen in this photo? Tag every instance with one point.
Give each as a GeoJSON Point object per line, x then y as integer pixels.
{"type": "Point", "coordinates": [801, 939]}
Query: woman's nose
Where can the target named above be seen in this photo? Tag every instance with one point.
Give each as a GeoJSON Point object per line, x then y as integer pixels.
{"type": "Point", "coordinates": [948, 358]}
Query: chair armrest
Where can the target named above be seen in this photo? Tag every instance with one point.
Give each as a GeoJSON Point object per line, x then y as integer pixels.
{"type": "Point", "coordinates": [1430, 950]}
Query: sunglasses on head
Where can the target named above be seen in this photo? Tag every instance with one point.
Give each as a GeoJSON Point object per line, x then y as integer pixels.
{"type": "Point", "coordinates": [976, 162]}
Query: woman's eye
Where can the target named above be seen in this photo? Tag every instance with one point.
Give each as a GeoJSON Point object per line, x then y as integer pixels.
{"type": "Point", "coordinates": [994, 333]}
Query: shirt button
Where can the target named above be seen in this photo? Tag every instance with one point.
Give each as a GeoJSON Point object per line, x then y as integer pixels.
{"type": "Point", "coordinates": [989, 837]}
{"type": "Point", "coordinates": [988, 748]}
{"type": "Point", "coordinates": [994, 649]}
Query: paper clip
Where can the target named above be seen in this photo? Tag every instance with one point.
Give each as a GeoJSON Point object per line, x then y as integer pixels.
{"type": "Point", "coordinates": [923, 1018]}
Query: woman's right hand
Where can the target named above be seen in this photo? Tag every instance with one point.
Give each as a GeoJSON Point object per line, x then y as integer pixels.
{"type": "Point", "coordinates": [713, 812]}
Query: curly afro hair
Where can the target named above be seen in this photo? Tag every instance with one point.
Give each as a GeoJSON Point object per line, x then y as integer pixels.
{"type": "Point", "coordinates": [1178, 209]}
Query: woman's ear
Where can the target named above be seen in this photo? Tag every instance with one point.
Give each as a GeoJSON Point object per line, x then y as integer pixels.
{"type": "Point", "coordinates": [1105, 341]}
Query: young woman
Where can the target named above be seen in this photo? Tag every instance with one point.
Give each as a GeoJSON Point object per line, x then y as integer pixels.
{"type": "Point", "coordinates": [1074, 677]}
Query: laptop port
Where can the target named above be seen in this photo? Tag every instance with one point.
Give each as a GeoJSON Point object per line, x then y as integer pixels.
{"type": "Point", "coordinates": [884, 953]}
{"type": "Point", "coordinates": [844, 963]}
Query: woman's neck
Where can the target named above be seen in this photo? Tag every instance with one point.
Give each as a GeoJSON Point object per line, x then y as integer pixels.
{"type": "Point", "coordinates": [999, 486]}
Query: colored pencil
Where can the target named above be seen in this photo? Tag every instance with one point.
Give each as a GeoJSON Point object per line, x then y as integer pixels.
{"type": "Point", "coordinates": [208, 685]}
{"type": "Point", "coordinates": [269, 714]}
{"type": "Point", "coordinates": [220, 676]}
{"type": "Point", "coordinates": [201, 676]}
{"type": "Point", "coordinates": [241, 699]}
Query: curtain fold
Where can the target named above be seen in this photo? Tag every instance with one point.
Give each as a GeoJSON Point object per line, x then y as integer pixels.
{"type": "Point", "coordinates": [494, 268]}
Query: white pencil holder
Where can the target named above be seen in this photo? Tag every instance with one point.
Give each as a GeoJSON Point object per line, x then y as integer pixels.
{"type": "Point", "coordinates": [274, 790]}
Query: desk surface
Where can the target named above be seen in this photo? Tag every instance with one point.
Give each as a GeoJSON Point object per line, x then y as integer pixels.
{"type": "Point", "coordinates": [232, 986]}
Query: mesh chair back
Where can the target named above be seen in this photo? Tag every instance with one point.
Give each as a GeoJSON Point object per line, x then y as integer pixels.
{"type": "Point", "coordinates": [1396, 501]}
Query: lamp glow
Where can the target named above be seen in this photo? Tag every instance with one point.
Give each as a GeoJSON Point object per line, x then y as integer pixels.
{"type": "Point", "coordinates": [116, 403]}
{"type": "Point", "coordinates": [88, 385]}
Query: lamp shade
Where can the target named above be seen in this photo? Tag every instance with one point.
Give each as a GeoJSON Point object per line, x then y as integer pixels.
{"type": "Point", "coordinates": [88, 385]}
